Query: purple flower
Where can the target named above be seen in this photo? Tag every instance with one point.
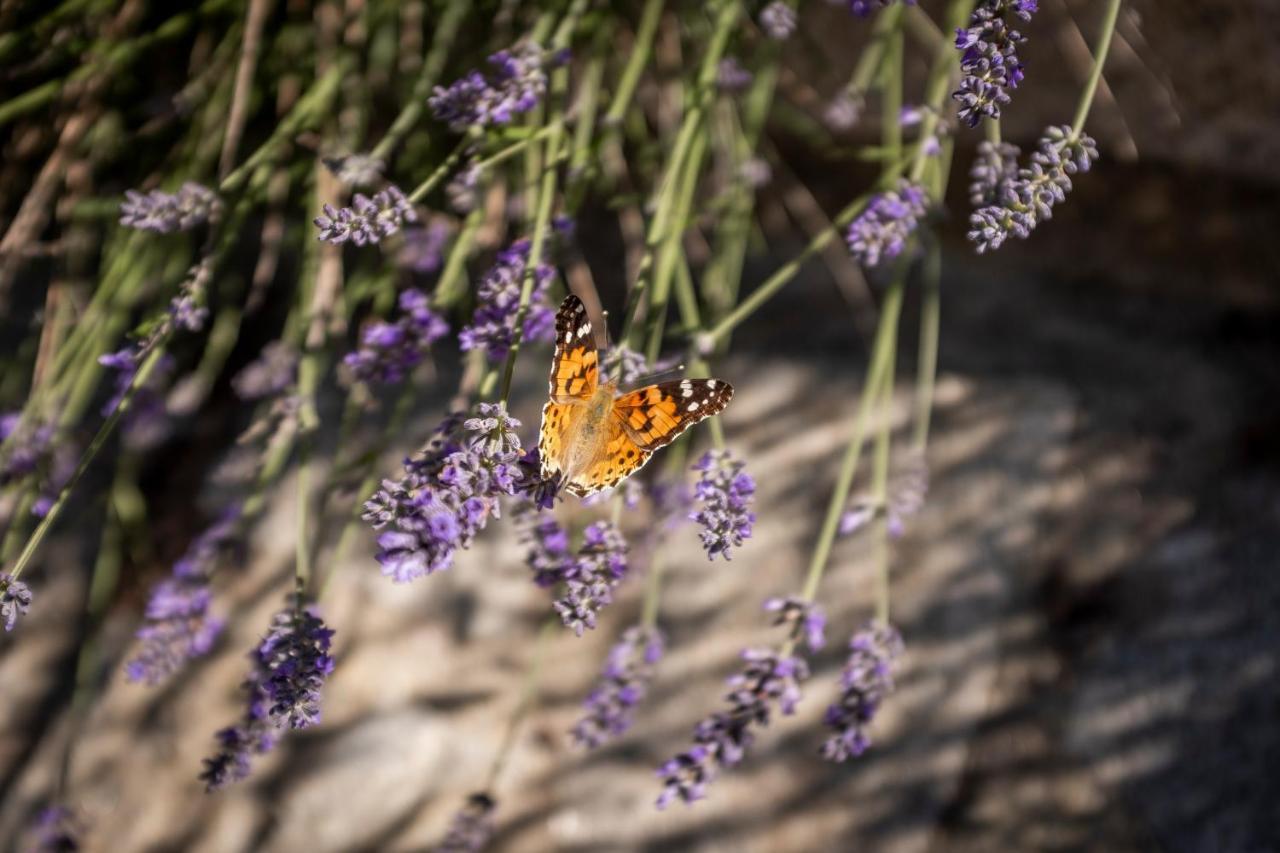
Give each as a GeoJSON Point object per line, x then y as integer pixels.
{"type": "Point", "coordinates": [906, 491]}
{"type": "Point", "coordinates": [178, 625]}
{"type": "Point", "coordinates": [721, 740]}
{"type": "Point", "coordinates": [389, 351]}
{"type": "Point", "coordinates": [866, 682]}
{"type": "Point", "coordinates": [447, 493]}
{"type": "Point", "coordinates": [368, 220]}
{"type": "Point", "coordinates": [731, 77]}
{"type": "Point", "coordinates": [627, 672]}
{"type": "Point", "coordinates": [356, 170]}
{"type": "Point", "coordinates": [880, 232]}
{"type": "Point", "coordinates": [863, 8]}
{"type": "Point", "coordinates": [472, 827]}
{"type": "Point", "coordinates": [15, 599]}
{"type": "Point", "coordinates": [547, 545]}
{"type": "Point", "coordinates": [275, 369]}
{"type": "Point", "coordinates": [165, 213]}
{"type": "Point", "coordinates": [1023, 200]}
{"type": "Point", "coordinates": [290, 666]}
{"type": "Point", "coordinates": [493, 326]}
{"type": "Point", "coordinates": [993, 168]}
{"type": "Point", "coordinates": [805, 621]}
{"type": "Point", "coordinates": [989, 61]}
{"type": "Point", "coordinates": [778, 20]}
{"type": "Point", "coordinates": [726, 493]}
{"type": "Point", "coordinates": [843, 111]}
{"type": "Point", "coordinates": [515, 84]}
{"type": "Point", "coordinates": [32, 450]}
{"type": "Point", "coordinates": [56, 829]}
{"type": "Point", "coordinates": [423, 250]}
{"type": "Point", "coordinates": [590, 578]}
{"type": "Point", "coordinates": [625, 365]}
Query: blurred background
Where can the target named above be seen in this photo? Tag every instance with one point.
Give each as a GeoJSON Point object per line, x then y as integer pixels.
{"type": "Point", "coordinates": [1089, 599]}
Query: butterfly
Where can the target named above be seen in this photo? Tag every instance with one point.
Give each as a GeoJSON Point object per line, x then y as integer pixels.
{"type": "Point", "coordinates": [592, 437]}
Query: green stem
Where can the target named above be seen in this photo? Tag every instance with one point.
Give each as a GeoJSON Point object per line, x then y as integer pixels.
{"type": "Point", "coordinates": [528, 695]}
{"type": "Point", "coordinates": [876, 376]}
{"type": "Point", "coordinates": [636, 62]}
{"type": "Point", "coordinates": [652, 591]}
{"type": "Point", "coordinates": [99, 439]}
{"type": "Point", "coordinates": [930, 324]}
{"type": "Point", "coordinates": [446, 32]}
{"type": "Point", "coordinates": [880, 494]}
{"type": "Point", "coordinates": [445, 167]}
{"type": "Point", "coordinates": [1095, 76]}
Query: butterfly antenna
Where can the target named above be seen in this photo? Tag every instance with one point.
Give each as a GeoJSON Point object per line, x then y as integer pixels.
{"type": "Point", "coordinates": [649, 378]}
{"type": "Point", "coordinates": [608, 338]}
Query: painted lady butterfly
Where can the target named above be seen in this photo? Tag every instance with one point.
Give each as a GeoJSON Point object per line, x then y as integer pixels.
{"type": "Point", "coordinates": [591, 436]}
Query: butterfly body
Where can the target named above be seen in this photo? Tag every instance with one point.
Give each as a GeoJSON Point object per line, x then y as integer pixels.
{"type": "Point", "coordinates": [592, 437]}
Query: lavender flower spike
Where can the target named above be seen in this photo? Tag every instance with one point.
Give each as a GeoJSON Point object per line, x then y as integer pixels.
{"type": "Point", "coordinates": [863, 8]}
{"type": "Point", "coordinates": [778, 20]}
{"type": "Point", "coordinates": [179, 624]}
{"type": "Point", "coordinates": [589, 580]}
{"type": "Point", "coordinates": [290, 666]}
{"type": "Point", "coordinates": [866, 682]}
{"type": "Point", "coordinates": [57, 829]}
{"type": "Point", "coordinates": [880, 232]}
{"type": "Point", "coordinates": [447, 493]}
{"type": "Point", "coordinates": [472, 827]}
{"type": "Point", "coordinates": [627, 671]}
{"type": "Point", "coordinates": [515, 85]}
{"type": "Point", "coordinates": [726, 494]}
{"type": "Point", "coordinates": [989, 61]}
{"type": "Point", "coordinates": [166, 213]}
{"type": "Point", "coordinates": [493, 327]}
{"type": "Point", "coordinates": [389, 351]}
{"type": "Point", "coordinates": [721, 740]}
{"type": "Point", "coordinates": [805, 620]}
{"type": "Point", "coordinates": [368, 220]}
{"type": "Point", "coordinates": [15, 600]}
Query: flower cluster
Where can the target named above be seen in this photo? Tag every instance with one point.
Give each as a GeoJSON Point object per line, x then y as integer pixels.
{"type": "Point", "coordinates": [493, 327]}
{"type": "Point", "coordinates": [546, 545]}
{"type": "Point", "coordinates": [447, 494]}
{"type": "Point", "coordinates": [805, 621]}
{"type": "Point", "coordinates": [590, 578]}
{"type": "Point", "coordinates": [367, 220]}
{"type": "Point", "coordinates": [165, 213]}
{"type": "Point", "coordinates": [994, 166]}
{"type": "Point", "coordinates": [906, 492]}
{"type": "Point", "coordinates": [843, 111]}
{"type": "Point", "coordinates": [778, 20]}
{"type": "Point", "coordinates": [472, 827]}
{"type": "Point", "coordinates": [725, 493]}
{"type": "Point", "coordinates": [721, 740]}
{"type": "Point", "coordinates": [880, 232]}
{"type": "Point", "coordinates": [866, 681]}
{"type": "Point", "coordinates": [731, 77]}
{"type": "Point", "coordinates": [627, 672]}
{"type": "Point", "coordinates": [989, 62]}
{"type": "Point", "coordinates": [290, 667]}
{"type": "Point", "coordinates": [179, 625]}
{"type": "Point", "coordinates": [389, 351]}
{"type": "Point", "coordinates": [423, 250]}
{"type": "Point", "coordinates": [33, 449]}
{"type": "Point", "coordinates": [57, 829]}
{"type": "Point", "coordinates": [15, 600]}
{"type": "Point", "coordinates": [1024, 198]}
{"type": "Point", "coordinates": [516, 84]}
{"type": "Point", "coordinates": [274, 370]}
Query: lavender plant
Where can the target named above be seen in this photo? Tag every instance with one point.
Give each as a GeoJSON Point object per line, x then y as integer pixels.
{"type": "Point", "coordinates": [511, 128]}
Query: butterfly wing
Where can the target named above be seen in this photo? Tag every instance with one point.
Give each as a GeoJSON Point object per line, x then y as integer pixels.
{"type": "Point", "coordinates": [575, 367]}
{"type": "Point", "coordinates": [575, 373]}
{"type": "Point", "coordinates": [618, 458]}
{"type": "Point", "coordinates": [654, 416]}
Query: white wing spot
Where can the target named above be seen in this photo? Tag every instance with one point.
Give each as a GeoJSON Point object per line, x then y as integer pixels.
{"type": "Point", "coordinates": [693, 407]}
{"type": "Point", "coordinates": [711, 383]}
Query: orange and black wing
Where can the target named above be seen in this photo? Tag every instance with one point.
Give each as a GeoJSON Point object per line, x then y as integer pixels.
{"type": "Point", "coordinates": [575, 367]}
{"type": "Point", "coordinates": [654, 416]}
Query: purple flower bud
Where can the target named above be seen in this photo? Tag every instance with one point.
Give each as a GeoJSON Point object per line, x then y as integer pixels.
{"type": "Point", "coordinates": [627, 672]}
{"type": "Point", "coordinates": [866, 682]}
{"type": "Point", "coordinates": [989, 61]}
{"type": "Point", "coordinates": [880, 232]}
{"type": "Point", "coordinates": [492, 328]}
{"type": "Point", "coordinates": [15, 600]}
{"type": "Point", "coordinates": [768, 680]}
{"type": "Point", "coordinates": [274, 370]}
{"type": "Point", "coordinates": [804, 619]}
{"type": "Point", "coordinates": [290, 666]}
{"type": "Point", "coordinates": [726, 494]}
{"type": "Point", "coordinates": [778, 20]}
{"type": "Point", "coordinates": [515, 85]}
{"type": "Point", "coordinates": [367, 220]}
{"type": "Point", "coordinates": [590, 578]}
{"type": "Point", "coordinates": [472, 827]}
{"type": "Point", "coordinates": [389, 351]}
{"type": "Point", "coordinates": [423, 250]}
{"type": "Point", "coordinates": [166, 213]}
{"type": "Point", "coordinates": [863, 8]}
